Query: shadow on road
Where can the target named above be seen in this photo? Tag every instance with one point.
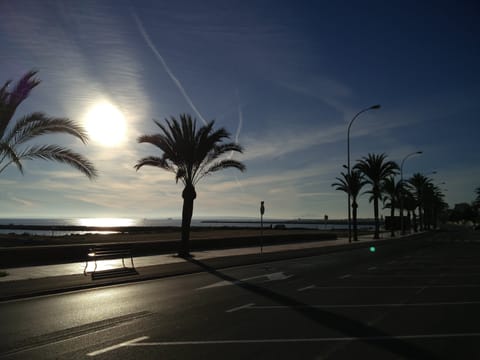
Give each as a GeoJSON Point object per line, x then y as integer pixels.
{"type": "Point", "coordinates": [348, 326]}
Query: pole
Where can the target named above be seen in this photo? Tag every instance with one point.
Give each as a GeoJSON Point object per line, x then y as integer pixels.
{"type": "Point", "coordinates": [374, 107]}
{"type": "Point", "coordinates": [262, 211]}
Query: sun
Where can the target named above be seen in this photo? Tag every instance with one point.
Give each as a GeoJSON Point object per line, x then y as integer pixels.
{"type": "Point", "coordinates": [105, 124]}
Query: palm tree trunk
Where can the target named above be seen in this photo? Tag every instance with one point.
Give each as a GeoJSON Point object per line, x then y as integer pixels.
{"type": "Point", "coordinates": [354, 218]}
{"type": "Point", "coordinates": [415, 225]}
{"type": "Point", "coordinates": [189, 196]}
{"type": "Point", "coordinates": [392, 218]}
{"type": "Point", "coordinates": [377, 224]}
{"type": "Point", "coordinates": [420, 217]}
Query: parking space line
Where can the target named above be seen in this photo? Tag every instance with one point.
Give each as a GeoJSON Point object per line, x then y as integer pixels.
{"type": "Point", "coordinates": [114, 347]}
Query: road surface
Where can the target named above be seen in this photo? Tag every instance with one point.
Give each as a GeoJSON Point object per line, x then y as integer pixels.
{"type": "Point", "coordinates": [408, 300]}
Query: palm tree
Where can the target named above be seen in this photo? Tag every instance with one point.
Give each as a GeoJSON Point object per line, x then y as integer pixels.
{"type": "Point", "coordinates": [434, 205]}
{"type": "Point", "coordinates": [14, 135]}
{"type": "Point", "coordinates": [410, 204]}
{"type": "Point", "coordinates": [190, 154]}
{"type": "Point", "coordinates": [419, 183]}
{"type": "Point", "coordinates": [376, 169]}
{"type": "Point", "coordinates": [392, 191]}
{"type": "Point", "coordinates": [351, 184]}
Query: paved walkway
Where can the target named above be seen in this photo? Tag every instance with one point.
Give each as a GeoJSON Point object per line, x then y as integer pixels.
{"type": "Point", "coordinates": [36, 272]}
{"type": "Point", "coordinates": [41, 280]}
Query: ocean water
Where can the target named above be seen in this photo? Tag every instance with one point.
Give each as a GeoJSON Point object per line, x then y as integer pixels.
{"type": "Point", "coordinates": [126, 222]}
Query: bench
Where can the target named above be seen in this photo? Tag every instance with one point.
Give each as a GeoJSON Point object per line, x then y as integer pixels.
{"type": "Point", "coordinates": [108, 252]}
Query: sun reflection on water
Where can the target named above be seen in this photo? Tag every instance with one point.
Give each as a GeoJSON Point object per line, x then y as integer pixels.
{"type": "Point", "coordinates": [106, 222]}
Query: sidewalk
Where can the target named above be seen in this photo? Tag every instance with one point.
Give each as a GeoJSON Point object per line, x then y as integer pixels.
{"type": "Point", "coordinates": [43, 280]}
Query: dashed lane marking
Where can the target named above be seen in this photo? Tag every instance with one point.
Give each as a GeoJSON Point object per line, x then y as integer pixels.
{"type": "Point", "coordinates": [345, 276]}
{"type": "Point", "coordinates": [246, 306]}
{"type": "Point", "coordinates": [334, 287]}
{"type": "Point", "coordinates": [306, 288]}
{"type": "Point", "coordinates": [118, 346]}
{"type": "Point", "coordinates": [345, 306]}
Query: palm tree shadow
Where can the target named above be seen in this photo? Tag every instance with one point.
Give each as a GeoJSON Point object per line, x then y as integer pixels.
{"type": "Point", "coordinates": [343, 324]}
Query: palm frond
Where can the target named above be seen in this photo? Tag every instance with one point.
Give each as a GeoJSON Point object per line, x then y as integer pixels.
{"type": "Point", "coordinates": [192, 152]}
{"type": "Point", "coordinates": [37, 124]}
{"type": "Point", "coordinates": [62, 155]}
{"type": "Point", "coordinates": [224, 164]}
{"type": "Point", "coordinates": [10, 100]}
{"type": "Point", "coordinates": [8, 152]}
{"type": "Point", "coordinates": [153, 161]}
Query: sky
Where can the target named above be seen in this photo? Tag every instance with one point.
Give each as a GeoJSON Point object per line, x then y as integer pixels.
{"type": "Point", "coordinates": [283, 77]}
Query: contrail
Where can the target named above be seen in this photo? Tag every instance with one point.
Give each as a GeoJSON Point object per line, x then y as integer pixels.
{"type": "Point", "coordinates": [240, 122]}
{"type": "Point", "coordinates": [165, 66]}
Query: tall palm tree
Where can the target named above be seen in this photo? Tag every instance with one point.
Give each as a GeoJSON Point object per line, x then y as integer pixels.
{"type": "Point", "coordinates": [419, 183]}
{"type": "Point", "coordinates": [410, 204]}
{"type": "Point", "coordinates": [191, 154]}
{"type": "Point", "coordinates": [14, 135]}
{"type": "Point", "coordinates": [376, 169]}
{"type": "Point", "coordinates": [351, 184]}
{"type": "Point", "coordinates": [392, 192]}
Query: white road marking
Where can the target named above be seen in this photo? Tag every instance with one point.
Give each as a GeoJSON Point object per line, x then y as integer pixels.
{"type": "Point", "coordinates": [345, 276]}
{"type": "Point", "coordinates": [299, 340]}
{"type": "Point", "coordinates": [306, 288]}
{"type": "Point", "coordinates": [246, 306]}
{"type": "Point", "coordinates": [336, 306]}
{"type": "Point", "coordinates": [269, 277]}
{"type": "Point", "coordinates": [114, 347]}
{"type": "Point", "coordinates": [372, 268]}
{"type": "Point", "coordinates": [395, 287]}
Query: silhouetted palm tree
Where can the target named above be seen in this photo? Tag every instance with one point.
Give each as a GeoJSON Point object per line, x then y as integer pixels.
{"type": "Point", "coordinates": [410, 204]}
{"type": "Point", "coordinates": [351, 184]}
{"type": "Point", "coordinates": [14, 135]}
{"type": "Point", "coordinates": [434, 205]}
{"type": "Point", "coordinates": [419, 183]}
{"type": "Point", "coordinates": [376, 169]}
{"type": "Point", "coordinates": [190, 154]}
{"type": "Point", "coordinates": [392, 192]}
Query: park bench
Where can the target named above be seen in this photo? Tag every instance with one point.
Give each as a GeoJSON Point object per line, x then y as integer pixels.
{"type": "Point", "coordinates": [108, 252]}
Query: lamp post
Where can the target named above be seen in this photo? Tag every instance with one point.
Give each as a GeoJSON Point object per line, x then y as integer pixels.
{"type": "Point", "coordinates": [374, 107]}
{"type": "Point", "coordinates": [402, 227]}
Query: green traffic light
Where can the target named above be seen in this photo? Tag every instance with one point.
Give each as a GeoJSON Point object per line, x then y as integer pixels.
{"type": "Point", "coordinates": [372, 249]}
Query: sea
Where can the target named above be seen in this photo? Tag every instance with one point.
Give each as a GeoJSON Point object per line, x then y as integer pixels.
{"type": "Point", "coordinates": [95, 225]}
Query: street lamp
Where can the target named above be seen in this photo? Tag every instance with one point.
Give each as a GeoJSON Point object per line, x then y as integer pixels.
{"type": "Point", "coordinates": [402, 227]}
{"type": "Point", "coordinates": [374, 107]}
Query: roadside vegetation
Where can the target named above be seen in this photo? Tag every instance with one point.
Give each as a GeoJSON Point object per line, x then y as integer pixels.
{"type": "Point", "coordinates": [418, 195]}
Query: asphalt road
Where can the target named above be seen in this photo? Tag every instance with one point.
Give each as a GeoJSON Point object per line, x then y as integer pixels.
{"type": "Point", "coordinates": [408, 300]}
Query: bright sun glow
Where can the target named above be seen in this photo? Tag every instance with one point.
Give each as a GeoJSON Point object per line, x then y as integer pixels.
{"type": "Point", "coordinates": [106, 222]}
{"type": "Point", "coordinates": [105, 124]}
